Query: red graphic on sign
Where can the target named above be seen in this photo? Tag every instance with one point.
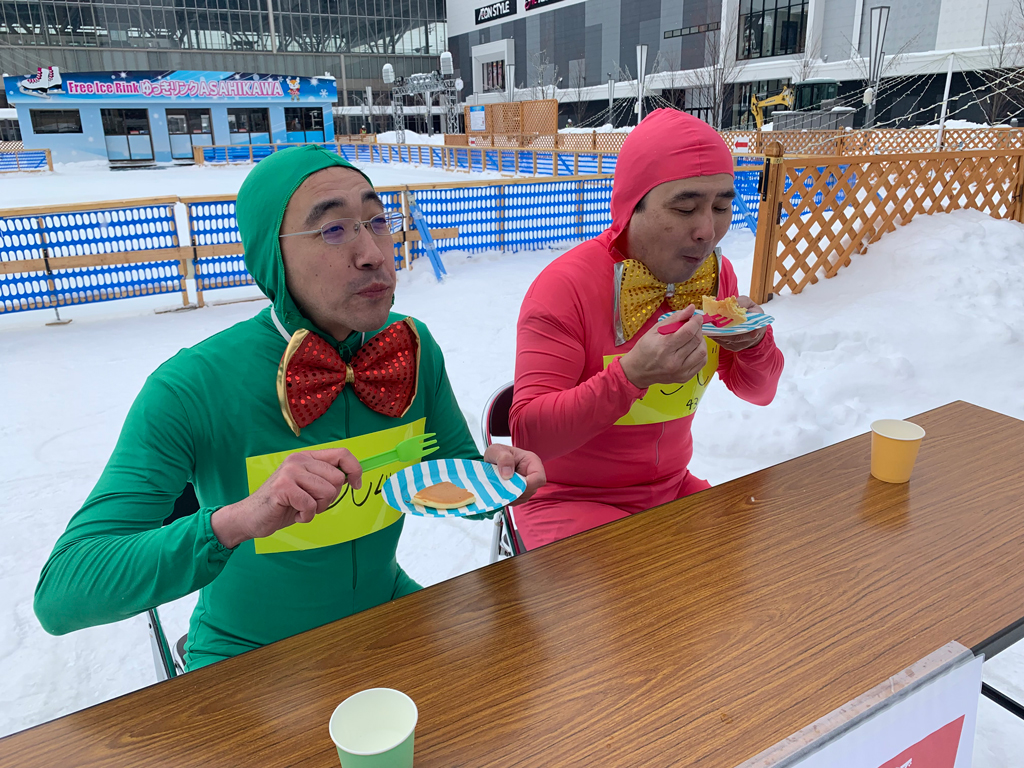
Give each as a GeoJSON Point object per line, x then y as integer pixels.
{"type": "Point", "coordinates": [935, 751]}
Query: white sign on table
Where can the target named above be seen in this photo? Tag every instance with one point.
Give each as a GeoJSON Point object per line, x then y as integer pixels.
{"type": "Point", "coordinates": [924, 717]}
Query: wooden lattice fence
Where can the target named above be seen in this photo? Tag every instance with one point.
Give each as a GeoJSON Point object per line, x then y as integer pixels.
{"type": "Point", "coordinates": [817, 212]}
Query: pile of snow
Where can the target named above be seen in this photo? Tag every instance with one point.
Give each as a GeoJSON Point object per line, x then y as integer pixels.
{"type": "Point", "coordinates": [956, 124]}
{"type": "Point", "coordinates": [606, 128]}
{"type": "Point", "coordinates": [411, 137]}
{"type": "Point", "coordinates": [888, 337]}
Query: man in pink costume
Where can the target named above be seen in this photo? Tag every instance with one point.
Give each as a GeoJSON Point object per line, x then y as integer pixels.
{"type": "Point", "coordinates": [601, 395]}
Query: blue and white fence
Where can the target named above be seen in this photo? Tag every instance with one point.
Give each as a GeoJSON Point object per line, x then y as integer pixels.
{"type": "Point", "coordinates": [16, 160]}
{"type": "Point", "coordinates": [103, 251]}
{"type": "Point", "coordinates": [87, 253]}
{"type": "Point", "coordinates": [507, 161]}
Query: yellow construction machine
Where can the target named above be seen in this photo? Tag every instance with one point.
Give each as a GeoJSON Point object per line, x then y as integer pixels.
{"type": "Point", "coordinates": [786, 99]}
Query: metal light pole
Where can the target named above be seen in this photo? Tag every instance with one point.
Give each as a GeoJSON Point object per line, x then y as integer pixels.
{"type": "Point", "coordinates": [611, 101]}
{"type": "Point", "coordinates": [369, 107]}
{"type": "Point", "coordinates": [397, 108]}
{"type": "Point", "coordinates": [270, 18]}
{"type": "Point", "coordinates": [641, 68]}
{"type": "Point", "coordinates": [510, 81]}
{"type": "Point", "coordinates": [945, 103]}
{"type": "Point", "coordinates": [879, 22]}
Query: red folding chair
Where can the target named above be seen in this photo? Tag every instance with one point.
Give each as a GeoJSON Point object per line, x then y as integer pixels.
{"type": "Point", "coordinates": [505, 541]}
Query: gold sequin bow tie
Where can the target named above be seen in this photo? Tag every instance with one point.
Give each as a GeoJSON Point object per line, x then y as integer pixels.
{"type": "Point", "coordinates": [638, 294]}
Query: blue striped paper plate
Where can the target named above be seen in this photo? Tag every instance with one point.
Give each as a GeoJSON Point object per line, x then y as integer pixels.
{"type": "Point", "coordinates": [478, 477]}
{"type": "Point", "coordinates": [754, 321]}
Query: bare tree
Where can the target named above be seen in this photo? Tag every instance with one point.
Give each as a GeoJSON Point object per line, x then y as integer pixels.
{"type": "Point", "coordinates": [500, 93]}
{"type": "Point", "coordinates": [576, 90]}
{"type": "Point", "coordinates": [669, 75]}
{"type": "Point", "coordinates": [543, 76]}
{"type": "Point", "coordinates": [1004, 81]}
{"type": "Point", "coordinates": [806, 65]}
{"type": "Point", "coordinates": [862, 65]}
{"type": "Point", "coordinates": [381, 111]}
{"type": "Point", "coordinates": [713, 83]}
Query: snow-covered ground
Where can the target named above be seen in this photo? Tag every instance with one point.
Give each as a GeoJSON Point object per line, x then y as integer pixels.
{"type": "Point", "coordinates": [862, 346]}
{"type": "Point", "coordinates": [95, 181]}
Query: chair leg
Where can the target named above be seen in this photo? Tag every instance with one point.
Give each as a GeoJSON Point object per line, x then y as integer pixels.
{"type": "Point", "coordinates": [162, 660]}
{"type": "Point", "coordinates": [496, 539]}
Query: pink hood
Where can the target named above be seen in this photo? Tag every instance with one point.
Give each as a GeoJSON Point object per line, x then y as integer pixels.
{"type": "Point", "coordinates": [667, 146]}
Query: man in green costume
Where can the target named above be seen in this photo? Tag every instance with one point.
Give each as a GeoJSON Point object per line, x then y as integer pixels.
{"type": "Point", "coordinates": [270, 551]}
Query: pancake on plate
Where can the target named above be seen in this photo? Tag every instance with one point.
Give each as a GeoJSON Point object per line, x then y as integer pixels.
{"type": "Point", "coordinates": [444, 496]}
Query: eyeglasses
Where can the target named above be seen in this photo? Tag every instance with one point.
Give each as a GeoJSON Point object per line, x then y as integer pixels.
{"type": "Point", "coordinates": [346, 230]}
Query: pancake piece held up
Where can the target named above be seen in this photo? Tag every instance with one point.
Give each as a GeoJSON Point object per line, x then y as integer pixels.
{"type": "Point", "coordinates": [728, 308]}
{"type": "Point", "coordinates": [444, 496]}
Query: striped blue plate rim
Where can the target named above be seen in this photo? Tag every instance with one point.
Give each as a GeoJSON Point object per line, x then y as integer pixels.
{"type": "Point", "coordinates": [479, 477]}
{"type": "Point", "coordinates": [754, 321]}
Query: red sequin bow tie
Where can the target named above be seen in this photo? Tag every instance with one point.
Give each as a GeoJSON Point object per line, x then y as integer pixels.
{"type": "Point", "coordinates": [383, 374]}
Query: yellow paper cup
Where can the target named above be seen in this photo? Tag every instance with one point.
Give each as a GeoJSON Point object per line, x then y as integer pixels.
{"type": "Point", "coordinates": [894, 446]}
{"type": "Point", "coordinates": [374, 729]}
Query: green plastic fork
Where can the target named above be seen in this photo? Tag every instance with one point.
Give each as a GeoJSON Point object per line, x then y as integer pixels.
{"type": "Point", "coordinates": [410, 450]}
{"type": "Point", "coordinates": [413, 449]}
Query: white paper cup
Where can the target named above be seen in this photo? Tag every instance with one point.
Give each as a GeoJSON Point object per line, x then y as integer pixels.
{"type": "Point", "coordinates": [374, 729]}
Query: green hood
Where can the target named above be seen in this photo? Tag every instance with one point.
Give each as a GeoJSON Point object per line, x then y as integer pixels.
{"type": "Point", "coordinates": [260, 209]}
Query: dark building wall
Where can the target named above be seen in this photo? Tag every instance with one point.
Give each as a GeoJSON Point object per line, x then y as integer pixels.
{"type": "Point", "coordinates": [604, 33]}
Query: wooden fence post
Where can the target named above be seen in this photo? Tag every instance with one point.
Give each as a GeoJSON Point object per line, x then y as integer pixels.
{"type": "Point", "coordinates": [1018, 192]}
{"type": "Point", "coordinates": [49, 160]}
{"type": "Point", "coordinates": [766, 243]}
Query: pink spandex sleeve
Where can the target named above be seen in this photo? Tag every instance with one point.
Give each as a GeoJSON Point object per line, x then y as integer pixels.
{"type": "Point", "coordinates": [553, 411]}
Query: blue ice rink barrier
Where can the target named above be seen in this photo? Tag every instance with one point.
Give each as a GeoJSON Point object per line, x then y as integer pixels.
{"type": "Point", "coordinates": [76, 254]}
{"type": "Point", "coordinates": [24, 160]}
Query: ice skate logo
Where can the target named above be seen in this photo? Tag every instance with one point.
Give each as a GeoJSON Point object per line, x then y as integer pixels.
{"type": "Point", "coordinates": [293, 87]}
{"type": "Point", "coordinates": [45, 81]}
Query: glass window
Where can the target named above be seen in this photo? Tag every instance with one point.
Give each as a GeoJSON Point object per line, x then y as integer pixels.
{"type": "Point", "coordinates": [136, 122]}
{"type": "Point", "coordinates": [56, 120]}
{"type": "Point", "coordinates": [176, 124]}
{"type": "Point", "coordinates": [113, 122]}
{"type": "Point", "coordinates": [181, 121]}
{"type": "Point", "coordinates": [125, 122]}
{"type": "Point", "coordinates": [303, 119]}
{"type": "Point", "coordinates": [248, 121]}
{"type": "Point", "coordinates": [10, 130]}
{"type": "Point", "coordinates": [771, 28]}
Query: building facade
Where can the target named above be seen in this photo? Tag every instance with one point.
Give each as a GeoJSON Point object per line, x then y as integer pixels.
{"type": "Point", "coordinates": [349, 39]}
{"type": "Point", "coordinates": [573, 48]}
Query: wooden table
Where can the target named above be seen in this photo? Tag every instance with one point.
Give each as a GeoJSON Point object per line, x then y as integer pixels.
{"type": "Point", "coordinates": [698, 633]}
